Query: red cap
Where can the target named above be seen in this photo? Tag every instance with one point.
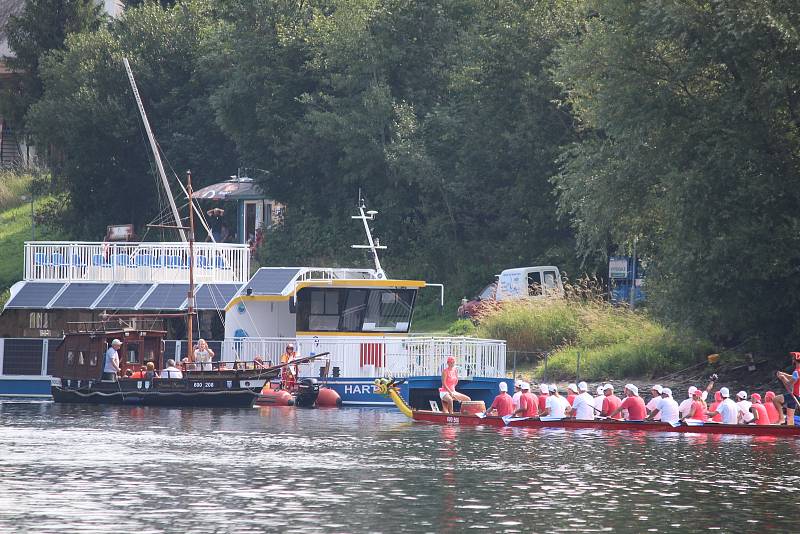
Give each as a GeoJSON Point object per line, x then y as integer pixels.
{"type": "Point", "coordinates": [795, 356]}
{"type": "Point", "coordinates": [450, 359]}
{"type": "Point", "coordinates": [755, 397]}
{"type": "Point", "coordinates": [769, 395]}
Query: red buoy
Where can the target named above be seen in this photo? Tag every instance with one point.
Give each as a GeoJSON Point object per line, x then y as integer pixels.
{"type": "Point", "coordinates": [275, 397]}
{"type": "Point", "coordinates": [328, 398]}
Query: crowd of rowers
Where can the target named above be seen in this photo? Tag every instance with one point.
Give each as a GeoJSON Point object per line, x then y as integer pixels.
{"type": "Point", "coordinates": [580, 404]}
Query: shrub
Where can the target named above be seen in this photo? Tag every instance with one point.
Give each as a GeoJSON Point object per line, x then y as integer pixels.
{"type": "Point", "coordinates": [462, 327]}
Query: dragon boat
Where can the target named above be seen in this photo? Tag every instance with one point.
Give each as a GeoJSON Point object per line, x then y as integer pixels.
{"type": "Point", "coordinates": [391, 389]}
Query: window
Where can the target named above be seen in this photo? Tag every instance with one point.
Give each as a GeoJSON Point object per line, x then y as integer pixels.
{"type": "Point", "coordinates": [354, 310]}
{"type": "Point", "coordinates": [70, 358]}
{"type": "Point", "coordinates": [39, 320]}
{"type": "Point", "coordinates": [550, 283]}
{"type": "Point", "coordinates": [535, 284]}
{"type": "Point", "coordinates": [81, 358]}
{"type": "Point", "coordinates": [93, 359]}
{"type": "Point", "coordinates": [133, 353]}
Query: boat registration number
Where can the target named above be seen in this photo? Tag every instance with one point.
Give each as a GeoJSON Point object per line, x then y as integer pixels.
{"type": "Point", "coordinates": [203, 384]}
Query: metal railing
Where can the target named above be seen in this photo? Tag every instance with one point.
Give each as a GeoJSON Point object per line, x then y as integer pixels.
{"type": "Point", "coordinates": [131, 262]}
{"type": "Point", "coordinates": [372, 356]}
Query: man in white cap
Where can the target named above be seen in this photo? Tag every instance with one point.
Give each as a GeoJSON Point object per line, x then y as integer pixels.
{"type": "Point", "coordinates": [667, 409]}
{"type": "Point", "coordinates": [572, 392]}
{"type": "Point", "coordinates": [502, 404]}
{"type": "Point", "coordinates": [528, 404]}
{"type": "Point", "coordinates": [745, 415]}
{"type": "Point", "coordinates": [517, 394]}
{"type": "Point", "coordinates": [582, 407]}
{"type": "Point", "coordinates": [111, 363]}
{"type": "Point", "coordinates": [727, 408]}
{"type": "Point", "coordinates": [655, 400]}
{"type": "Point", "coordinates": [543, 394]}
{"type": "Point", "coordinates": [610, 402]}
{"type": "Point", "coordinates": [633, 404]}
{"type": "Point", "coordinates": [598, 400]}
{"type": "Point", "coordinates": [557, 405]}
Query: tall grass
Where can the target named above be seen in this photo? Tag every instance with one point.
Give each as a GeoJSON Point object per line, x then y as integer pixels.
{"type": "Point", "coordinates": [612, 342]}
{"type": "Point", "coordinates": [13, 185]}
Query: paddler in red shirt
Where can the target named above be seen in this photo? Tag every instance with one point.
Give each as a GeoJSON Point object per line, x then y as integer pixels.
{"type": "Point", "coordinates": [760, 415]}
{"type": "Point", "coordinates": [696, 409]}
{"type": "Point", "coordinates": [633, 403]}
{"type": "Point", "coordinates": [528, 403]}
{"type": "Point", "coordinates": [611, 402]}
{"type": "Point", "coordinates": [543, 394]}
{"type": "Point", "coordinates": [448, 392]}
{"type": "Point", "coordinates": [502, 404]}
{"type": "Point", "coordinates": [792, 384]}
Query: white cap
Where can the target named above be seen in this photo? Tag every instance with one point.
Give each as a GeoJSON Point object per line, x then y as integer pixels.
{"type": "Point", "coordinates": [518, 384]}
{"type": "Point", "coordinates": [543, 388]}
{"type": "Point", "coordinates": [583, 386]}
{"type": "Point", "coordinates": [599, 390]}
{"type": "Point", "coordinates": [115, 342]}
{"type": "Point", "coordinates": [741, 395]}
{"type": "Point", "coordinates": [608, 386]}
{"type": "Point", "coordinates": [503, 386]}
{"type": "Point", "coordinates": [666, 391]}
{"type": "Point", "coordinates": [657, 388]}
{"type": "Point", "coordinates": [525, 386]}
{"type": "Point", "coordinates": [633, 389]}
{"type": "Point", "coordinates": [573, 387]}
{"type": "Point", "coordinates": [692, 389]}
{"type": "Point", "coordinates": [553, 388]}
{"type": "Point", "coordinates": [724, 392]}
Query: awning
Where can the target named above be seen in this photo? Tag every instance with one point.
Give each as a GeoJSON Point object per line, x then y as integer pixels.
{"type": "Point", "coordinates": [235, 189]}
{"type": "Point", "coordinates": [117, 296]}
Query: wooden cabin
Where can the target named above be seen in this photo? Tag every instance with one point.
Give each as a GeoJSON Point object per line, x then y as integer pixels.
{"type": "Point", "coordinates": [81, 354]}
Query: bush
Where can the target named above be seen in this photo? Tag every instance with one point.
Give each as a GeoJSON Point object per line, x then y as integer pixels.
{"type": "Point", "coordinates": [462, 327]}
{"type": "Point", "coordinates": [530, 325]}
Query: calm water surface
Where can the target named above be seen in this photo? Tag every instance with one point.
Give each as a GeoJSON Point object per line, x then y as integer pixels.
{"type": "Point", "coordinates": [70, 468]}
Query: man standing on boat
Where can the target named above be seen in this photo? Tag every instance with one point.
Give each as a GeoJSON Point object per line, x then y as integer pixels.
{"type": "Point", "coordinates": [503, 404]}
{"type": "Point", "coordinates": [289, 372]}
{"type": "Point", "coordinates": [111, 364]}
{"type": "Point", "coordinates": [792, 384]}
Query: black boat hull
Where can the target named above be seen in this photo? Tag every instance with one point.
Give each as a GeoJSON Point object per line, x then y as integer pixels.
{"type": "Point", "coordinates": [241, 398]}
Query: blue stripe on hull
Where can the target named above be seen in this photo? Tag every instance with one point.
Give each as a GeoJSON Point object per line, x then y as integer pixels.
{"type": "Point", "coordinates": [33, 387]}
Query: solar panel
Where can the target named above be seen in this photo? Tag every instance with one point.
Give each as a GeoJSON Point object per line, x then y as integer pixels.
{"type": "Point", "coordinates": [123, 296]}
{"type": "Point", "coordinates": [35, 295]}
{"type": "Point", "coordinates": [270, 281]}
{"type": "Point", "coordinates": [79, 295]}
{"type": "Point", "coordinates": [166, 297]}
{"type": "Point", "coordinates": [214, 296]}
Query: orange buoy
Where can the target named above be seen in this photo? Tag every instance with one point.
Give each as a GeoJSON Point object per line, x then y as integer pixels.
{"type": "Point", "coordinates": [275, 397]}
{"type": "Point", "coordinates": [328, 398]}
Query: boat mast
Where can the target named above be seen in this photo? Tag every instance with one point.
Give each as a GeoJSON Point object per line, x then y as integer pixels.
{"type": "Point", "coordinates": [154, 148]}
{"type": "Point", "coordinates": [190, 296]}
{"type": "Point", "coordinates": [374, 245]}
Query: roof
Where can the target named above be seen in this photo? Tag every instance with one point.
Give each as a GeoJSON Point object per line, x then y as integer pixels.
{"type": "Point", "coordinates": [270, 281]}
{"type": "Point", "coordinates": [234, 189]}
{"type": "Point", "coordinates": [117, 296]}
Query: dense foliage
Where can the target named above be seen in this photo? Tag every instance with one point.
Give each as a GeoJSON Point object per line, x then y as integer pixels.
{"type": "Point", "coordinates": [489, 133]}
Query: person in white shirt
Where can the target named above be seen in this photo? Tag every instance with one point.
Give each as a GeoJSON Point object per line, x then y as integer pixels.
{"type": "Point", "coordinates": [556, 405]}
{"type": "Point", "coordinates": [727, 408]}
{"type": "Point", "coordinates": [517, 394]}
{"type": "Point", "coordinates": [111, 364]}
{"type": "Point", "coordinates": [170, 371]}
{"type": "Point", "coordinates": [583, 406]}
{"type": "Point", "coordinates": [667, 410]}
{"type": "Point", "coordinates": [745, 415]}
{"type": "Point", "coordinates": [598, 400]}
{"type": "Point", "coordinates": [654, 401]}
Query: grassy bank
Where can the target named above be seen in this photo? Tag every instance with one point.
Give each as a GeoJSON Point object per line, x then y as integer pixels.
{"type": "Point", "coordinates": [612, 342]}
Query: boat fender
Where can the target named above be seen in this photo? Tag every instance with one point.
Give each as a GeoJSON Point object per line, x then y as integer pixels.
{"type": "Point", "coordinates": [328, 398]}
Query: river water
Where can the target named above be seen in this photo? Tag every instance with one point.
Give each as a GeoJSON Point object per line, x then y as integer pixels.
{"type": "Point", "coordinates": [72, 468]}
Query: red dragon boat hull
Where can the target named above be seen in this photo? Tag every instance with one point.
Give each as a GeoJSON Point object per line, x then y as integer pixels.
{"type": "Point", "coordinates": [707, 428]}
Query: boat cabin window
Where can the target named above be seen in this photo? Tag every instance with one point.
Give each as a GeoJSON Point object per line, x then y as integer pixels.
{"type": "Point", "coordinates": [70, 358]}
{"type": "Point", "coordinates": [81, 358]}
{"type": "Point", "coordinates": [354, 310]}
{"type": "Point", "coordinates": [93, 359]}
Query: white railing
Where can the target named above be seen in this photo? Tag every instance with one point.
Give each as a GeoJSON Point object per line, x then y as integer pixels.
{"type": "Point", "coordinates": [373, 356]}
{"type": "Point", "coordinates": [132, 262]}
{"type": "Point", "coordinates": [318, 273]}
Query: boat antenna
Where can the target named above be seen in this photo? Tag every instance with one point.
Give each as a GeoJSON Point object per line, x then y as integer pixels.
{"type": "Point", "coordinates": [373, 244]}
{"type": "Point", "coordinates": [154, 148]}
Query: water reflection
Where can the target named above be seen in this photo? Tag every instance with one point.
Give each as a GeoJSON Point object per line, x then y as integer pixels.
{"type": "Point", "coordinates": [357, 470]}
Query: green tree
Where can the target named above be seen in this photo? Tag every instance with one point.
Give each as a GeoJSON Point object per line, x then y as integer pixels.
{"type": "Point", "coordinates": [689, 142]}
{"type": "Point", "coordinates": [89, 116]}
{"type": "Point", "coordinates": [42, 26]}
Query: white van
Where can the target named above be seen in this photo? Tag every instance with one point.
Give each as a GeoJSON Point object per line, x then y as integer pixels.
{"type": "Point", "coordinates": [530, 282]}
